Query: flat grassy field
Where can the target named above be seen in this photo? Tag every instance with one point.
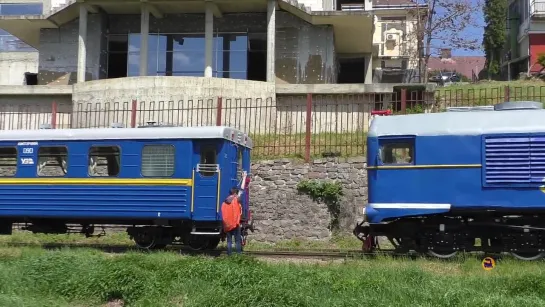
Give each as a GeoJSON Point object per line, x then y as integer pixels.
{"type": "Point", "coordinates": [78, 278]}
{"type": "Point", "coordinates": [272, 146]}
{"type": "Point", "coordinates": [490, 93]}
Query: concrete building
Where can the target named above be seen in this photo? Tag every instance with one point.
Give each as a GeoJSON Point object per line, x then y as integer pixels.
{"type": "Point", "coordinates": [17, 57]}
{"type": "Point", "coordinates": [94, 53]}
{"type": "Point", "coordinates": [525, 37]}
{"type": "Point", "coordinates": [396, 40]}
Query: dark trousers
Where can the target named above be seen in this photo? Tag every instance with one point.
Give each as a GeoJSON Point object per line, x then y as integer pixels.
{"type": "Point", "coordinates": [238, 240]}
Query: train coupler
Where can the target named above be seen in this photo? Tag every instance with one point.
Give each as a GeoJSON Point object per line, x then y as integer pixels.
{"type": "Point", "coordinates": [362, 232]}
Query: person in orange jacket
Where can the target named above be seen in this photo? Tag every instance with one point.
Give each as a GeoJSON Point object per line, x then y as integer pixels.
{"type": "Point", "coordinates": [231, 212]}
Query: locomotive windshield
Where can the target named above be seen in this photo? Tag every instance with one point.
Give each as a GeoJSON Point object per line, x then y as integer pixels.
{"type": "Point", "coordinates": [397, 153]}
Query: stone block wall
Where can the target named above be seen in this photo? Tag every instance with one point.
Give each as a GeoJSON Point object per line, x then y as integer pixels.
{"type": "Point", "coordinates": [280, 212]}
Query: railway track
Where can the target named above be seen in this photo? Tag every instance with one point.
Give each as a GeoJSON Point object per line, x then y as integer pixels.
{"type": "Point", "coordinates": [299, 254]}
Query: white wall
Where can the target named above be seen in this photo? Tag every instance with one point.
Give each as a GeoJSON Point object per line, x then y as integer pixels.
{"type": "Point", "coordinates": [13, 66]}
{"type": "Point", "coordinates": [315, 5]}
{"type": "Point", "coordinates": [410, 30]}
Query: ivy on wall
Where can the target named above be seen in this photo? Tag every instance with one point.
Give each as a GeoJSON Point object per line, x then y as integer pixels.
{"type": "Point", "coordinates": [328, 192]}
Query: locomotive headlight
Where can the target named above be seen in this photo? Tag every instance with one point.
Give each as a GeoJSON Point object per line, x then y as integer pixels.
{"type": "Point", "coordinates": [364, 214]}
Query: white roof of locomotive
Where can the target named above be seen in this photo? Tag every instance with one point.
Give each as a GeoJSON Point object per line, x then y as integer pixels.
{"type": "Point", "coordinates": [460, 123]}
{"type": "Point", "coordinates": [151, 133]}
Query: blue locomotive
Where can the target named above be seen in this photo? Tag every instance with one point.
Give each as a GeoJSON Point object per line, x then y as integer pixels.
{"type": "Point", "coordinates": [164, 185]}
{"type": "Point", "coordinates": [469, 179]}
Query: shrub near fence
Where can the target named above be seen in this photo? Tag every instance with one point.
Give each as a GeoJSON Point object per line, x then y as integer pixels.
{"type": "Point", "coordinates": [304, 126]}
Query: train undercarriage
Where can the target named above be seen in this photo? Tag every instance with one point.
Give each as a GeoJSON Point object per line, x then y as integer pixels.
{"type": "Point", "coordinates": [147, 235]}
{"type": "Point", "coordinates": [523, 236]}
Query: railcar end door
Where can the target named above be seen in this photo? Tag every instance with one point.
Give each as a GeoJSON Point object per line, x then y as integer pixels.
{"type": "Point", "coordinates": [206, 178]}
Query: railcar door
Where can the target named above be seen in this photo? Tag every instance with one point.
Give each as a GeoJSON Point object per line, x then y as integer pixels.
{"type": "Point", "coordinates": [206, 177]}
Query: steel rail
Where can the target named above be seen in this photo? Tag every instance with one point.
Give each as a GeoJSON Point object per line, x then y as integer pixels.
{"type": "Point", "coordinates": [120, 248]}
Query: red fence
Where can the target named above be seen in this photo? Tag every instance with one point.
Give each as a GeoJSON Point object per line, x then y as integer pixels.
{"type": "Point", "coordinates": [305, 126]}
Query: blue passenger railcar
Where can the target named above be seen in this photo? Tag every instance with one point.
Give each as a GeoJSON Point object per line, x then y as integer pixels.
{"type": "Point", "coordinates": [165, 185]}
{"type": "Point", "coordinates": [441, 182]}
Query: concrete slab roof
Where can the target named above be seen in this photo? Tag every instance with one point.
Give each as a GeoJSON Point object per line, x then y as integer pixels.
{"type": "Point", "coordinates": [345, 24]}
{"type": "Point", "coordinates": [26, 28]}
{"type": "Point", "coordinates": [352, 29]}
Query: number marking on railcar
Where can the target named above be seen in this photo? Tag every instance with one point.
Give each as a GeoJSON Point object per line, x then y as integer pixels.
{"type": "Point", "coordinates": [27, 161]}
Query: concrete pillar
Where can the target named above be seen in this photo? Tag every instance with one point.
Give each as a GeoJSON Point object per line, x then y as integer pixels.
{"type": "Point", "coordinates": [208, 39]}
{"type": "Point", "coordinates": [368, 69]}
{"type": "Point", "coordinates": [82, 48]}
{"type": "Point", "coordinates": [271, 36]}
{"type": "Point", "coordinates": [368, 5]}
{"type": "Point", "coordinates": [144, 33]}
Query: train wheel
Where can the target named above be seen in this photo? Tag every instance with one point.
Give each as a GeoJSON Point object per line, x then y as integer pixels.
{"type": "Point", "coordinates": [528, 256]}
{"type": "Point", "coordinates": [442, 255]}
{"type": "Point", "coordinates": [147, 240]}
{"type": "Point", "coordinates": [213, 243]}
{"type": "Point", "coordinates": [199, 243]}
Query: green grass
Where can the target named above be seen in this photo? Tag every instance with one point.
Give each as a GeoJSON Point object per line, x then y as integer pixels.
{"type": "Point", "coordinates": [489, 93]}
{"type": "Point", "coordinates": [345, 241]}
{"type": "Point", "coordinates": [271, 146]}
{"type": "Point", "coordinates": [33, 277]}
{"type": "Point", "coordinates": [288, 145]}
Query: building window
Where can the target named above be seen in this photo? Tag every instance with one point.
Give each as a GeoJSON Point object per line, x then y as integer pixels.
{"type": "Point", "coordinates": [158, 161]}
{"type": "Point", "coordinates": [52, 161]}
{"type": "Point", "coordinates": [117, 56]}
{"type": "Point", "coordinates": [9, 42]}
{"type": "Point", "coordinates": [16, 9]}
{"type": "Point", "coordinates": [398, 152]}
{"type": "Point", "coordinates": [104, 161]}
{"type": "Point", "coordinates": [8, 161]}
{"type": "Point", "coordinates": [184, 55]}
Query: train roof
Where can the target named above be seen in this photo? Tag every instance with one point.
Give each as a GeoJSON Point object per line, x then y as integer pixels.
{"type": "Point", "coordinates": [475, 121]}
{"type": "Point", "coordinates": [205, 132]}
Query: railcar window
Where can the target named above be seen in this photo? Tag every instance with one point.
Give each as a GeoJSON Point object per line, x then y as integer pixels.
{"type": "Point", "coordinates": [104, 161]}
{"type": "Point", "coordinates": [8, 161]}
{"type": "Point", "coordinates": [52, 161]}
{"type": "Point", "coordinates": [397, 153]}
{"type": "Point", "coordinates": [208, 157]}
{"type": "Point", "coordinates": [158, 161]}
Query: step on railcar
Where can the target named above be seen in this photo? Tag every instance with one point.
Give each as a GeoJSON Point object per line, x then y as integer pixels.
{"type": "Point", "coordinates": [164, 185]}
{"type": "Point", "coordinates": [469, 179]}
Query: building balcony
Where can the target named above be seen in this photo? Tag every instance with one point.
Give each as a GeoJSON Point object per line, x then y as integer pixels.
{"type": "Point", "coordinates": [537, 9]}
{"type": "Point", "coordinates": [392, 49]}
{"type": "Point", "coordinates": [353, 5]}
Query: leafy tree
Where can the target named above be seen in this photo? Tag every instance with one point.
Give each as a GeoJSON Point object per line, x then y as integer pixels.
{"type": "Point", "coordinates": [494, 39]}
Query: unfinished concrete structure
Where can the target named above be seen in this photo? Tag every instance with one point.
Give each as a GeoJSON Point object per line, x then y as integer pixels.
{"type": "Point", "coordinates": [94, 53]}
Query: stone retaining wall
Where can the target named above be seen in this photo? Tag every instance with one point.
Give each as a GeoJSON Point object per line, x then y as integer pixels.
{"type": "Point", "coordinates": [281, 213]}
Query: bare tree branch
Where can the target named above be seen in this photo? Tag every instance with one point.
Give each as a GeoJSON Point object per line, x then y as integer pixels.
{"type": "Point", "coordinates": [442, 24]}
